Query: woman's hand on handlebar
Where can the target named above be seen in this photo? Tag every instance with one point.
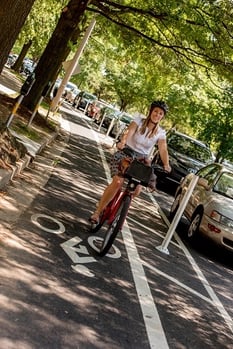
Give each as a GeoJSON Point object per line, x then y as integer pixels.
{"type": "Point", "coordinates": [120, 145]}
{"type": "Point", "coordinates": [160, 170]}
{"type": "Point", "coordinates": [167, 168]}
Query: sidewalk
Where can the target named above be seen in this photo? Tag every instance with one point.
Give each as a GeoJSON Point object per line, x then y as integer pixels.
{"type": "Point", "coordinates": [10, 86]}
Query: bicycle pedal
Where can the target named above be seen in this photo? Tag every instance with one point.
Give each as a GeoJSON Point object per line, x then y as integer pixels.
{"type": "Point", "coordinates": [111, 251]}
{"type": "Point", "coordinates": [93, 225]}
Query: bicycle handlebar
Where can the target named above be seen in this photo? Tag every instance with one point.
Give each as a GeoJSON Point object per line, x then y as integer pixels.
{"type": "Point", "coordinates": [159, 170]}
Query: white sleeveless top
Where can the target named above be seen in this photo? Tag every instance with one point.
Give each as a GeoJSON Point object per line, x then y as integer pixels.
{"type": "Point", "coordinates": [142, 144]}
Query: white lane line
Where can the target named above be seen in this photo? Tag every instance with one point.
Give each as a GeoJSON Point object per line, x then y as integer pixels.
{"type": "Point", "coordinates": [154, 328]}
{"type": "Point", "coordinates": [187, 288]}
{"type": "Point", "coordinates": [155, 332]}
{"type": "Point", "coordinates": [216, 302]}
{"type": "Point", "coordinates": [175, 281]}
{"type": "Point", "coordinates": [153, 231]}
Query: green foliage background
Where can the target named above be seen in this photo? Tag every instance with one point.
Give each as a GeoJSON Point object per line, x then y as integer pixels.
{"type": "Point", "coordinates": [179, 65]}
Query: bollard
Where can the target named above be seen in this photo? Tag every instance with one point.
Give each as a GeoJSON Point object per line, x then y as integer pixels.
{"type": "Point", "coordinates": [35, 111]}
{"type": "Point", "coordinates": [110, 127]}
{"type": "Point", "coordinates": [14, 110]}
{"type": "Point", "coordinates": [163, 248]}
{"type": "Point", "coordinates": [44, 94]}
{"type": "Point", "coordinates": [101, 123]}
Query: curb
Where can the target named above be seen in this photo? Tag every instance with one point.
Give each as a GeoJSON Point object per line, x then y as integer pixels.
{"type": "Point", "coordinates": [33, 149]}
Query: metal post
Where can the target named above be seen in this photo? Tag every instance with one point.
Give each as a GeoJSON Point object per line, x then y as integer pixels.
{"type": "Point", "coordinates": [72, 65]}
{"type": "Point", "coordinates": [101, 122]}
{"type": "Point", "coordinates": [86, 107]}
{"type": "Point", "coordinates": [110, 127]}
{"type": "Point", "coordinates": [15, 108]}
{"type": "Point", "coordinates": [163, 248]}
{"type": "Point", "coordinates": [35, 111]}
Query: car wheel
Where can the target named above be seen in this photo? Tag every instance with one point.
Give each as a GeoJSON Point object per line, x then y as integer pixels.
{"type": "Point", "coordinates": [175, 206]}
{"type": "Point", "coordinates": [194, 226]}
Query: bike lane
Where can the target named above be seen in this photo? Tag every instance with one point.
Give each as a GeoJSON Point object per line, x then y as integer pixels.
{"type": "Point", "coordinates": [67, 297]}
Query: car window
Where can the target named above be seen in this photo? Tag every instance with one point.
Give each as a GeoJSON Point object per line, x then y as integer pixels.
{"type": "Point", "coordinates": [126, 119]}
{"type": "Point", "coordinates": [89, 96]}
{"type": "Point", "coordinates": [211, 176]}
{"type": "Point", "coordinates": [71, 86]}
{"type": "Point", "coordinates": [189, 147]}
{"type": "Point", "coordinates": [76, 91]}
{"type": "Point", "coordinates": [210, 173]}
{"type": "Point", "coordinates": [110, 112]}
{"type": "Point", "coordinates": [224, 185]}
{"type": "Point", "coordinates": [203, 172]}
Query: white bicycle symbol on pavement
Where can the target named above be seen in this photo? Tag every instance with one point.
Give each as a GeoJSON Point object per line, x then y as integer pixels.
{"type": "Point", "coordinates": [73, 247]}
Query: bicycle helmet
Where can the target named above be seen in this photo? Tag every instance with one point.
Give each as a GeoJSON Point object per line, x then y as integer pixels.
{"type": "Point", "coordinates": [160, 104]}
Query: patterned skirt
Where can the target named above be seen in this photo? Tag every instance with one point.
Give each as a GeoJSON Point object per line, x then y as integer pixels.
{"type": "Point", "coordinates": [116, 161]}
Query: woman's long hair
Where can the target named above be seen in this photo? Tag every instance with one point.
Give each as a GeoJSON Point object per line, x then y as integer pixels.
{"type": "Point", "coordinates": [145, 123]}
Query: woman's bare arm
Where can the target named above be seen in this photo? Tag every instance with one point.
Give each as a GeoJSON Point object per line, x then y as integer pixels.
{"type": "Point", "coordinates": [162, 145]}
{"type": "Point", "coordinates": [127, 135]}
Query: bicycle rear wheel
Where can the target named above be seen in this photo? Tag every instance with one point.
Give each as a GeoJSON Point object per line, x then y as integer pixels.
{"type": "Point", "coordinates": [115, 226]}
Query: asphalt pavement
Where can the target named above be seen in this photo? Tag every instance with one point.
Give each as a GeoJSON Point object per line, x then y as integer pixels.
{"type": "Point", "coordinates": [57, 293]}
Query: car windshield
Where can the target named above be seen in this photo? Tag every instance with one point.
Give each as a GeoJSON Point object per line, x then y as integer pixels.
{"type": "Point", "coordinates": [71, 86]}
{"type": "Point", "coordinates": [89, 96]}
{"type": "Point", "coordinates": [190, 148]}
{"type": "Point", "coordinates": [126, 119]}
{"type": "Point", "coordinates": [224, 185]}
{"type": "Point", "coordinates": [100, 104]}
{"type": "Point", "coordinates": [111, 112]}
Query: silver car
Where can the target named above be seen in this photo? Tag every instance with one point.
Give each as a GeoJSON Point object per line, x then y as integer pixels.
{"type": "Point", "coordinates": [210, 207]}
{"type": "Point", "coordinates": [122, 122]}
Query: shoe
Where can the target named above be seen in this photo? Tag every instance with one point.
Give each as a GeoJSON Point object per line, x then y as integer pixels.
{"type": "Point", "coordinates": [94, 219]}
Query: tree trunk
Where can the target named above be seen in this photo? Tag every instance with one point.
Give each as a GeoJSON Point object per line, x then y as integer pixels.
{"type": "Point", "coordinates": [12, 17]}
{"type": "Point", "coordinates": [56, 51]}
{"type": "Point", "coordinates": [22, 55]}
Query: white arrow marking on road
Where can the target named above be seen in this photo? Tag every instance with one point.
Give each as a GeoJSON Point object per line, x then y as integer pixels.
{"type": "Point", "coordinates": [81, 269]}
{"type": "Point", "coordinates": [68, 247]}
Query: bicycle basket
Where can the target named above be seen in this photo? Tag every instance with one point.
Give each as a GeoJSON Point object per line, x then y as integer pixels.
{"type": "Point", "coordinates": [139, 171]}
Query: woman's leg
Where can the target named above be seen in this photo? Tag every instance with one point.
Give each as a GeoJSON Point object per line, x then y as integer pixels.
{"type": "Point", "coordinates": [108, 194]}
{"type": "Point", "coordinates": [137, 191]}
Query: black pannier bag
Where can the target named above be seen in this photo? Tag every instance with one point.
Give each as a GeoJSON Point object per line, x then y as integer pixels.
{"type": "Point", "coordinates": [139, 171]}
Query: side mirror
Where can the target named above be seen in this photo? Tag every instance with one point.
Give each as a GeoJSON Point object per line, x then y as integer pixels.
{"type": "Point", "coordinates": [203, 183]}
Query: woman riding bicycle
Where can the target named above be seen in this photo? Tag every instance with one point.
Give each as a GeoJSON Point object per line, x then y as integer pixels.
{"type": "Point", "coordinates": [141, 137]}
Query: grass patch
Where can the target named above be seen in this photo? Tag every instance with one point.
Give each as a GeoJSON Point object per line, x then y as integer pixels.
{"type": "Point", "coordinates": [25, 131]}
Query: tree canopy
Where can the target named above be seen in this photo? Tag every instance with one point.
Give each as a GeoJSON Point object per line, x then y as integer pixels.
{"type": "Point", "coordinates": [180, 51]}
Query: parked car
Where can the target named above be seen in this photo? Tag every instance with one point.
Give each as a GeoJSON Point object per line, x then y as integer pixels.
{"type": "Point", "coordinates": [122, 122]}
{"type": "Point", "coordinates": [186, 154]}
{"type": "Point", "coordinates": [94, 109]}
{"type": "Point", "coordinates": [83, 99]}
{"type": "Point", "coordinates": [69, 93]}
{"type": "Point", "coordinates": [27, 67]}
{"type": "Point", "coordinates": [11, 60]}
{"type": "Point", "coordinates": [107, 115]}
{"type": "Point", "coordinates": [210, 207]}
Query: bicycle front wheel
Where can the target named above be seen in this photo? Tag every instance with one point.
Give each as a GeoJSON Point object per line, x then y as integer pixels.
{"type": "Point", "coordinates": [115, 226]}
{"type": "Point", "coordinates": [96, 227]}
